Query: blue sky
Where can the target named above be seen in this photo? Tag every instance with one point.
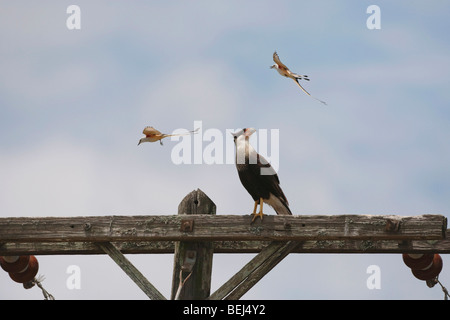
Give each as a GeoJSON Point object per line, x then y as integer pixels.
{"type": "Point", "coordinates": [73, 104]}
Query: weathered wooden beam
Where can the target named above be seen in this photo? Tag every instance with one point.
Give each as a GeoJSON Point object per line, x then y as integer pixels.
{"type": "Point", "coordinates": [167, 247]}
{"type": "Point", "coordinates": [131, 271]}
{"type": "Point", "coordinates": [222, 228]}
{"type": "Point", "coordinates": [191, 279]}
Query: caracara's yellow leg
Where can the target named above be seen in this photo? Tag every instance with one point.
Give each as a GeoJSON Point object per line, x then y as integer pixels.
{"type": "Point", "coordinates": [260, 214]}
{"type": "Point", "coordinates": [254, 208]}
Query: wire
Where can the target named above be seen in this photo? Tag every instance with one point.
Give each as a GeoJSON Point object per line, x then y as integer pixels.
{"type": "Point", "coordinates": [181, 285]}
{"type": "Point", "coordinates": [432, 282]}
{"type": "Point", "coordinates": [37, 281]}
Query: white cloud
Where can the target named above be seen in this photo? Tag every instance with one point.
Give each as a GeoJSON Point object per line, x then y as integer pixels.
{"type": "Point", "coordinates": [50, 179]}
{"type": "Point", "coordinates": [206, 91]}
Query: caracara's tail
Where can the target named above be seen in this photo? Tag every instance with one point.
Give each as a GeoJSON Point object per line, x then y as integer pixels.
{"type": "Point", "coordinates": [279, 204]}
{"type": "Point", "coordinates": [283, 210]}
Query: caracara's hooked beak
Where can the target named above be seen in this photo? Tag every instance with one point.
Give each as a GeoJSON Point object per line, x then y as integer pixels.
{"type": "Point", "coordinates": [273, 66]}
{"type": "Point", "coordinates": [249, 131]}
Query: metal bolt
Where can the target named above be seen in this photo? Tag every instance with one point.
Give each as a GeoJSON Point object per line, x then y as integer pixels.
{"type": "Point", "coordinates": [392, 226]}
{"type": "Point", "coordinates": [187, 225]}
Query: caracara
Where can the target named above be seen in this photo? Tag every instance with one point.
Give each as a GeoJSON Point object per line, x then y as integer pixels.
{"type": "Point", "coordinates": [258, 176]}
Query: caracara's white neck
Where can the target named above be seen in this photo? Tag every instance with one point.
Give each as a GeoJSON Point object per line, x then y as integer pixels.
{"type": "Point", "coordinates": [244, 150]}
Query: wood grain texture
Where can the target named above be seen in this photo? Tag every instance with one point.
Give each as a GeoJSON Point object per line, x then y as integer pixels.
{"type": "Point", "coordinates": [131, 271]}
{"type": "Point", "coordinates": [198, 285]}
{"type": "Point", "coordinates": [254, 271]}
{"type": "Point", "coordinates": [167, 247]}
{"type": "Point", "coordinates": [222, 228]}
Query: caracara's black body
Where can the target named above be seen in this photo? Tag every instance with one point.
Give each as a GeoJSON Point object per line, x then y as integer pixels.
{"type": "Point", "coordinates": [258, 177]}
{"type": "Point", "coordinates": [259, 186]}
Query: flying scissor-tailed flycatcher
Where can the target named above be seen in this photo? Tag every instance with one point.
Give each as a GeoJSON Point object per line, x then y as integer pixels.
{"type": "Point", "coordinates": [285, 72]}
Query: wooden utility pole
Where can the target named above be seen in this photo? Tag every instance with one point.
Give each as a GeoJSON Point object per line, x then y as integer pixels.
{"type": "Point", "coordinates": [193, 259]}
{"type": "Point", "coordinates": [195, 233]}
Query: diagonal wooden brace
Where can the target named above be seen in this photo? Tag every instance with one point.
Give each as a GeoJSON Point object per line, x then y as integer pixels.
{"type": "Point", "coordinates": [131, 271]}
{"type": "Point", "coordinates": [254, 270]}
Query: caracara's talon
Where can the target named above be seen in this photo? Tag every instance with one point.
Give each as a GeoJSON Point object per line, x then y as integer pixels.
{"type": "Point", "coordinates": [255, 215]}
{"type": "Point", "coordinates": [260, 214]}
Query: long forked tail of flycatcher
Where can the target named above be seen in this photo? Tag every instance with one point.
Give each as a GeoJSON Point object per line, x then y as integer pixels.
{"type": "Point", "coordinates": [298, 83]}
{"type": "Point", "coordinates": [181, 134]}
